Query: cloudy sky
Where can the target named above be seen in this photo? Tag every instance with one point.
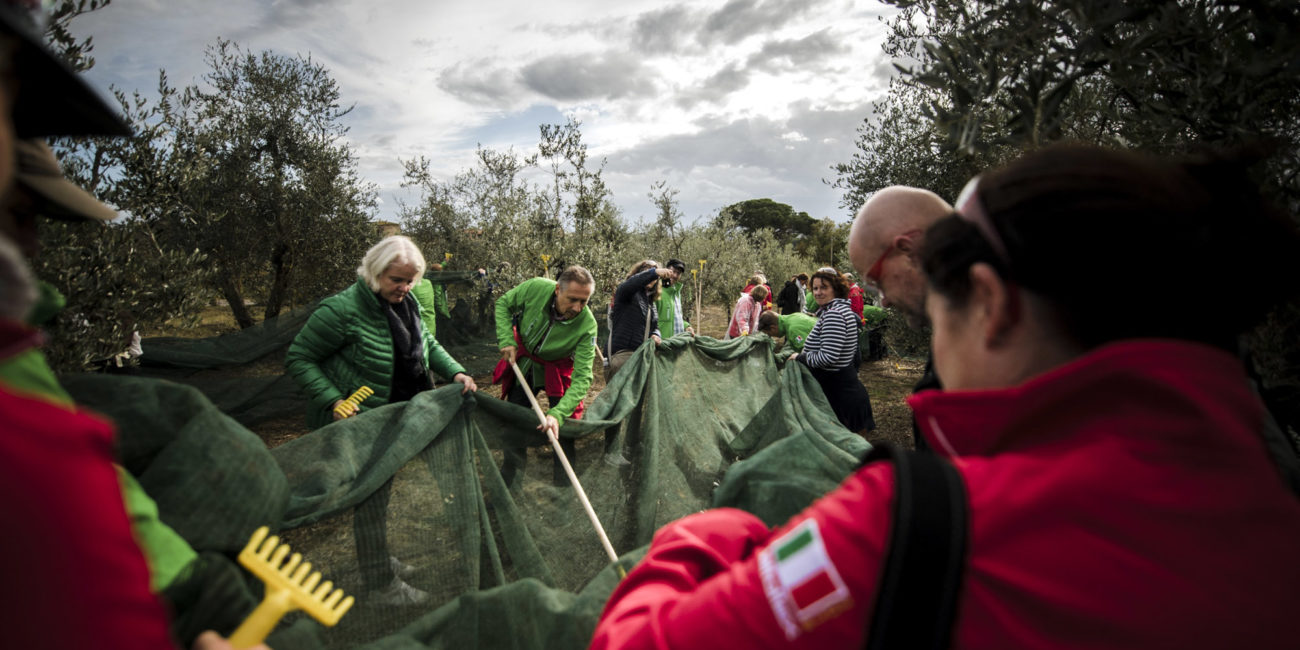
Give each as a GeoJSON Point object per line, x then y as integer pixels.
{"type": "Point", "coordinates": [725, 100]}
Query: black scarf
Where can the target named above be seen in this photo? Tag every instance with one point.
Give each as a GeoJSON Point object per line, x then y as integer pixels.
{"type": "Point", "coordinates": [409, 376]}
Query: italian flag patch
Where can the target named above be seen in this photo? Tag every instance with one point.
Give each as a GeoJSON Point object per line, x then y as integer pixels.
{"type": "Point", "coordinates": [802, 584]}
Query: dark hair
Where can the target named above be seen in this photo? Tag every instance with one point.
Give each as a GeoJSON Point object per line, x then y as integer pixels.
{"type": "Point", "coordinates": [802, 277]}
{"type": "Point", "coordinates": [761, 289]}
{"type": "Point", "coordinates": [674, 263]}
{"type": "Point", "coordinates": [839, 284]}
{"type": "Point", "coordinates": [1123, 245]}
{"type": "Point", "coordinates": [575, 274]}
{"type": "Point", "coordinates": [767, 320]}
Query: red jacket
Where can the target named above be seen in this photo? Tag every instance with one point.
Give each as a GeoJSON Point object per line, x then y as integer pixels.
{"type": "Point", "coordinates": [1124, 500]}
{"type": "Point", "coordinates": [72, 571]}
{"type": "Point", "coordinates": [856, 300]}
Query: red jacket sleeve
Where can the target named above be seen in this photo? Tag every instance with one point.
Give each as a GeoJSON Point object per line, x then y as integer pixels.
{"type": "Point", "coordinates": [75, 576]}
{"type": "Point", "coordinates": [718, 579]}
{"type": "Point", "coordinates": [856, 302]}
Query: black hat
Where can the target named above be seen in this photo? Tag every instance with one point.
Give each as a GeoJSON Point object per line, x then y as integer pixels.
{"type": "Point", "coordinates": [52, 99]}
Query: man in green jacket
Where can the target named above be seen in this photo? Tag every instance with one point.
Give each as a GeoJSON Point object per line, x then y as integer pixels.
{"type": "Point", "coordinates": [794, 327]}
{"type": "Point", "coordinates": [671, 317]}
{"type": "Point", "coordinates": [548, 328]}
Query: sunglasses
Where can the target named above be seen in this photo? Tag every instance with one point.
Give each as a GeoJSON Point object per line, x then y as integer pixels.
{"type": "Point", "coordinates": [970, 208]}
{"type": "Point", "coordinates": [873, 274]}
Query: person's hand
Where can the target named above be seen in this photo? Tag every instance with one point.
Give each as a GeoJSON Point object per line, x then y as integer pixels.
{"type": "Point", "coordinates": [212, 641]}
{"type": "Point", "coordinates": [793, 356]}
{"type": "Point", "coordinates": [656, 338]}
{"type": "Point", "coordinates": [350, 408]}
{"type": "Point", "coordinates": [508, 353]}
{"type": "Point", "coordinates": [665, 272]}
{"type": "Point", "coordinates": [467, 381]}
{"type": "Point", "coordinates": [551, 428]}
{"type": "Point", "coordinates": [690, 331]}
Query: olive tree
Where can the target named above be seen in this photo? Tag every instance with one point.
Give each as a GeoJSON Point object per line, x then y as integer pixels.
{"type": "Point", "coordinates": [249, 167]}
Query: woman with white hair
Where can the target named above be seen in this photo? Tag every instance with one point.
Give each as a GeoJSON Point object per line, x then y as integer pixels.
{"type": "Point", "coordinates": [370, 334]}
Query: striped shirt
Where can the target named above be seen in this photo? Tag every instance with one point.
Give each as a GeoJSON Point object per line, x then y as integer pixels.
{"type": "Point", "coordinates": [833, 341]}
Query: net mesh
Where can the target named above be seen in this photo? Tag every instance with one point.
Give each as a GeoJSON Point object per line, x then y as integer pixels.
{"type": "Point", "coordinates": [414, 490]}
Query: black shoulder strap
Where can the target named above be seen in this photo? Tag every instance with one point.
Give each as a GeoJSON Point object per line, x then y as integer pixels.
{"type": "Point", "coordinates": [920, 586]}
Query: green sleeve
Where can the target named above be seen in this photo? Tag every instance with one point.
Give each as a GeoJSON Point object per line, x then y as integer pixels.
{"type": "Point", "coordinates": [321, 337]}
{"type": "Point", "coordinates": [28, 372]}
{"type": "Point", "coordinates": [507, 306]}
{"type": "Point", "coordinates": [440, 301]}
{"type": "Point", "coordinates": [166, 552]}
{"type": "Point", "coordinates": [583, 357]}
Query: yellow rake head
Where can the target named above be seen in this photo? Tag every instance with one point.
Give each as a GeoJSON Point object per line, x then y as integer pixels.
{"type": "Point", "coordinates": [350, 405]}
{"type": "Point", "coordinates": [288, 587]}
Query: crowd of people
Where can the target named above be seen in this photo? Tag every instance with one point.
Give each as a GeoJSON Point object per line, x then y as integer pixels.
{"type": "Point", "coordinates": [1113, 478]}
{"type": "Point", "coordinates": [823, 318]}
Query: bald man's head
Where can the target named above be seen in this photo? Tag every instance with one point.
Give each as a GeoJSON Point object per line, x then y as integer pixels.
{"type": "Point", "coordinates": [889, 213]}
{"type": "Point", "coordinates": [894, 220]}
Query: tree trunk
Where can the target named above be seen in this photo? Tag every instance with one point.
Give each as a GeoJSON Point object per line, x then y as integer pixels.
{"type": "Point", "coordinates": [230, 291]}
{"type": "Point", "coordinates": [280, 266]}
{"type": "Point", "coordinates": [281, 257]}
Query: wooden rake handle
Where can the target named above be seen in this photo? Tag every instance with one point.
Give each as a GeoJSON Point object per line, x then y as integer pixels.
{"type": "Point", "coordinates": [568, 469]}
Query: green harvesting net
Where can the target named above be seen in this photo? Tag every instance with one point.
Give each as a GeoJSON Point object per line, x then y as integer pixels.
{"type": "Point", "coordinates": [414, 489]}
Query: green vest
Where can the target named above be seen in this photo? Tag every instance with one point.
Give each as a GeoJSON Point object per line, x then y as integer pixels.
{"type": "Point", "coordinates": [668, 300]}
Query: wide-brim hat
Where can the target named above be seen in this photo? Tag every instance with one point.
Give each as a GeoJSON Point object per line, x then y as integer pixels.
{"type": "Point", "coordinates": [51, 99]}
{"type": "Point", "coordinates": [39, 172]}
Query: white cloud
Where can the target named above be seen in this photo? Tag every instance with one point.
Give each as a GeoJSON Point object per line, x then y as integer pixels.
{"type": "Point", "coordinates": [726, 100]}
{"type": "Point", "coordinates": [586, 76]}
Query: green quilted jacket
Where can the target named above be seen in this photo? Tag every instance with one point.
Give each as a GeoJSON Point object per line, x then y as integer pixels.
{"type": "Point", "coordinates": [345, 345]}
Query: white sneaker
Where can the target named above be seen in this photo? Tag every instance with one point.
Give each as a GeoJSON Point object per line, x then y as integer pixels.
{"type": "Point", "coordinates": [397, 593]}
{"type": "Point", "coordinates": [400, 568]}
